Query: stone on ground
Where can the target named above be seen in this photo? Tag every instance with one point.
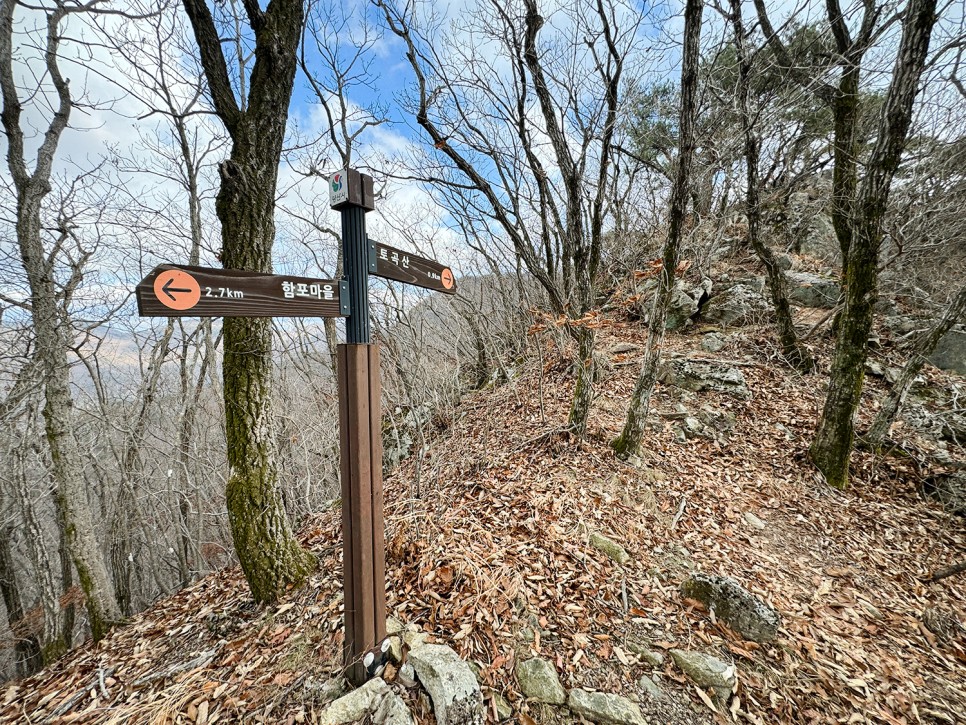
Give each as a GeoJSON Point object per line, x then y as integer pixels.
{"type": "Point", "coordinates": [539, 681]}
{"type": "Point", "coordinates": [734, 605]}
{"type": "Point", "coordinates": [451, 684]}
{"type": "Point", "coordinates": [611, 548]}
{"type": "Point", "coordinates": [707, 671]}
{"type": "Point", "coordinates": [600, 707]}
{"type": "Point", "coordinates": [357, 705]}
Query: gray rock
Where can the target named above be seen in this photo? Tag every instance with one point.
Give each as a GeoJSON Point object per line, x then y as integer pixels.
{"type": "Point", "coordinates": [451, 684]}
{"type": "Point", "coordinates": [539, 681]}
{"type": "Point", "coordinates": [392, 711]}
{"type": "Point", "coordinates": [504, 711]}
{"type": "Point", "coordinates": [707, 671]}
{"type": "Point", "coordinates": [697, 376]}
{"type": "Point", "coordinates": [646, 654]}
{"type": "Point", "coordinates": [753, 521]}
{"type": "Point", "coordinates": [713, 342]}
{"type": "Point", "coordinates": [651, 688]}
{"type": "Point", "coordinates": [623, 347]}
{"type": "Point", "coordinates": [357, 705]}
{"type": "Point", "coordinates": [681, 308]}
{"type": "Point", "coordinates": [738, 305]}
{"type": "Point", "coordinates": [406, 676]}
{"type": "Point", "coordinates": [734, 605]}
{"type": "Point", "coordinates": [785, 262]}
{"type": "Point", "coordinates": [812, 290]}
{"type": "Point", "coordinates": [611, 548]}
{"type": "Point", "coordinates": [950, 491]}
{"type": "Point", "coordinates": [950, 353]}
{"type": "Point", "coordinates": [324, 692]}
{"type": "Point", "coordinates": [600, 707]}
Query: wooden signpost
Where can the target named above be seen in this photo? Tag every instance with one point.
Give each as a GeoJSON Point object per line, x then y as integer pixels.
{"type": "Point", "coordinates": [186, 291]}
{"type": "Point", "coordinates": [392, 263]}
{"type": "Point", "coordinates": [182, 291]}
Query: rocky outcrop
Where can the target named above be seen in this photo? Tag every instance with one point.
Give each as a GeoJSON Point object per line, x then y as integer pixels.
{"type": "Point", "coordinates": [697, 376]}
{"type": "Point", "coordinates": [812, 290]}
{"type": "Point", "coordinates": [734, 605]}
{"type": "Point", "coordinates": [740, 304]}
{"type": "Point", "coordinates": [950, 353]}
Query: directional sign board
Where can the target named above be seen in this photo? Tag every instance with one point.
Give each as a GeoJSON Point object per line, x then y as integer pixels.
{"type": "Point", "coordinates": [183, 291]}
{"type": "Point", "coordinates": [392, 263]}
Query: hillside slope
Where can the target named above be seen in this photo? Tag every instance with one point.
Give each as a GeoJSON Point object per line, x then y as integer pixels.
{"type": "Point", "coordinates": [488, 550]}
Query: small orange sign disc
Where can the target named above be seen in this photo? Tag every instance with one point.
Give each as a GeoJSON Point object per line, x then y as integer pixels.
{"type": "Point", "coordinates": [177, 289]}
{"type": "Point", "coordinates": [446, 277]}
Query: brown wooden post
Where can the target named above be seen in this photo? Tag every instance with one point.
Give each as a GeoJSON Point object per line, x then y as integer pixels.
{"type": "Point", "coordinates": [364, 562]}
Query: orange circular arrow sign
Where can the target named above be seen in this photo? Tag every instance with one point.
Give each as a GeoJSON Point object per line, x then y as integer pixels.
{"type": "Point", "coordinates": [446, 277]}
{"type": "Point", "coordinates": [177, 289]}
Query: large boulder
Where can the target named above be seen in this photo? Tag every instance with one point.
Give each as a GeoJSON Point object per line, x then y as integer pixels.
{"type": "Point", "coordinates": [734, 605]}
{"type": "Point", "coordinates": [451, 685]}
{"type": "Point", "coordinates": [684, 303]}
{"type": "Point", "coordinates": [812, 290]}
{"type": "Point", "coordinates": [740, 304]}
{"type": "Point", "coordinates": [539, 681]}
{"type": "Point", "coordinates": [600, 707]}
{"type": "Point", "coordinates": [950, 353]}
{"type": "Point", "coordinates": [700, 375]}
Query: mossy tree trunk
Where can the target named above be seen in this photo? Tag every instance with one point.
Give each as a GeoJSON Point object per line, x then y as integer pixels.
{"type": "Point", "coordinates": [271, 557]}
{"type": "Point", "coordinates": [628, 443]}
{"type": "Point", "coordinates": [793, 350]}
{"type": "Point", "coordinates": [834, 438]}
{"type": "Point", "coordinates": [924, 347]}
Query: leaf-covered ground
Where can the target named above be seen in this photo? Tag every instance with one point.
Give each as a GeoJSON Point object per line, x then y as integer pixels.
{"type": "Point", "coordinates": [487, 551]}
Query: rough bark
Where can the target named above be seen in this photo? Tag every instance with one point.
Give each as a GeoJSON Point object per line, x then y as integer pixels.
{"type": "Point", "coordinates": [793, 350]}
{"type": "Point", "coordinates": [832, 447]}
{"type": "Point", "coordinates": [924, 347]}
{"type": "Point", "coordinates": [271, 557]}
{"type": "Point", "coordinates": [51, 330]}
{"type": "Point", "coordinates": [28, 657]}
{"type": "Point", "coordinates": [628, 443]}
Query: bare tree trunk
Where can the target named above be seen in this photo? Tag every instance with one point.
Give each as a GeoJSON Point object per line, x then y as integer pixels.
{"type": "Point", "coordinates": [925, 346]}
{"type": "Point", "coordinates": [28, 658]}
{"type": "Point", "coordinates": [51, 330]}
{"type": "Point", "coordinates": [832, 447]}
{"type": "Point", "coordinates": [628, 443]}
{"type": "Point", "coordinates": [270, 555]}
{"type": "Point", "coordinates": [793, 350]}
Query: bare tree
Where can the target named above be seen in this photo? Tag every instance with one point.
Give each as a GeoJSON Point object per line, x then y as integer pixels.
{"type": "Point", "coordinates": [629, 441]}
{"type": "Point", "coordinates": [795, 352]}
{"type": "Point", "coordinates": [52, 332]}
{"type": "Point", "coordinates": [528, 147]}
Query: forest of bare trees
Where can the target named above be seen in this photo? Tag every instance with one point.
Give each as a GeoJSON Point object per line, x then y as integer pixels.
{"type": "Point", "coordinates": [563, 157]}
